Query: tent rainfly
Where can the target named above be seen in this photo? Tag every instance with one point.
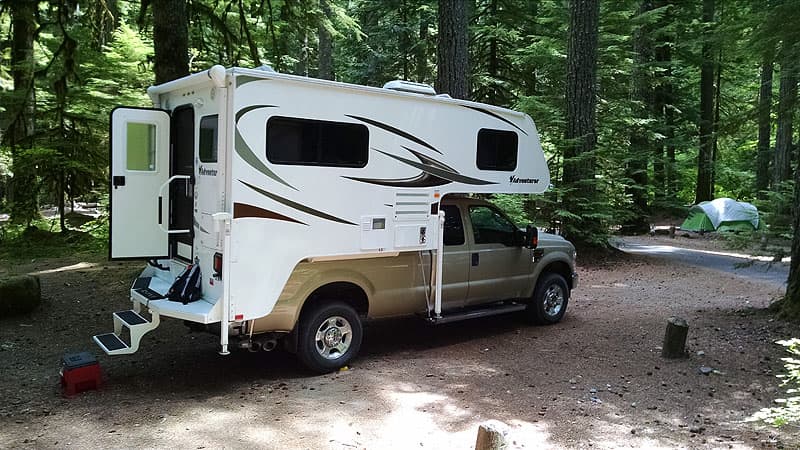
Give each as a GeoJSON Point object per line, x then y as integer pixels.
{"type": "Point", "coordinates": [722, 214]}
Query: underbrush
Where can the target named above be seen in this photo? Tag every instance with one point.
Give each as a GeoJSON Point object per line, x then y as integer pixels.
{"type": "Point", "coordinates": [42, 239]}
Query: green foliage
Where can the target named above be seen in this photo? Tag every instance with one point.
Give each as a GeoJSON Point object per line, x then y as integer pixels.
{"type": "Point", "coordinates": [788, 410]}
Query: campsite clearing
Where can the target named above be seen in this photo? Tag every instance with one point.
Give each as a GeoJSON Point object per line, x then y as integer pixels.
{"type": "Point", "coordinates": [596, 378]}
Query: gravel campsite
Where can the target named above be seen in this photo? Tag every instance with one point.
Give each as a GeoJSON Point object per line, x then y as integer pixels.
{"type": "Point", "coordinates": [597, 379]}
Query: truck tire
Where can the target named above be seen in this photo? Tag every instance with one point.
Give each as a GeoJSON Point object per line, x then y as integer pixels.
{"type": "Point", "coordinates": [550, 299]}
{"type": "Point", "coordinates": [329, 336]}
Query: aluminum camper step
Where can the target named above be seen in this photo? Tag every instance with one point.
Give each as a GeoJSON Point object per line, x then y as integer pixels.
{"type": "Point", "coordinates": [137, 326]}
{"type": "Point", "coordinates": [110, 342]}
{"type": "Point", "coordinates": [494, 310]}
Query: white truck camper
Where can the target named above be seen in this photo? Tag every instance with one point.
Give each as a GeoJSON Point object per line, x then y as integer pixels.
{"type": "Point", "coordinates": [249, 175]}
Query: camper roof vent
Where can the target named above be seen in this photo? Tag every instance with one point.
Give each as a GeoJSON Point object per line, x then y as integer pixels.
{"type": "Point", "coordinates": [410, 86]}
{"type": "Point", "coordinates": [265, 68]}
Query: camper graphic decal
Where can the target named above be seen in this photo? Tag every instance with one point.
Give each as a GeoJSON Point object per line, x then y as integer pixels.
{"type": "Point", "coordinates": [434, 173]}
{"type": "Point", "coordinates": [394, 130]}
{"type": "Point", "coordinates": [242, 210]}
{"type": "Point", "coordinates": [296, 205]}
{"type": "Point", "coordinates": [498, 117]}
{"type": "Point", "coordinates": [197, 225]}
{"type": "Point", "coordinates": [244, 151]}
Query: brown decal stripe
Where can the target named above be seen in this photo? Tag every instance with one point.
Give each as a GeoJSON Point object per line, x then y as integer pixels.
{"type": "Point", "coordinates": [296, 205]}
{"type": "Point", "coordinates": [496, 116]}
{"type": "Point", "coordinates": [241, 210]}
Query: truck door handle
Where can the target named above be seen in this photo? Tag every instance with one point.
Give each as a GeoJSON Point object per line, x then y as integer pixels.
{"type": "Point", "coordinates": [475, 259]}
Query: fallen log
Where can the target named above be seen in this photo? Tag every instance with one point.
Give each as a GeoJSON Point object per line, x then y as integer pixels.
{"type": "Point", "coordinates": [19, 295]}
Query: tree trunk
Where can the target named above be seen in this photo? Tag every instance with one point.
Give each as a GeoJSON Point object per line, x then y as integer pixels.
{"type": "Point", "coordinates": [791, 303]}
{"type": "Point", "coordinates": [787, 98]}
{"type": "Point", "coordinates": [640, 145]}
{"type": "Point", "coordinates": [764, 126]}
{"type": "Point", "coordinates": [170, 40]}
{"type": "Point", "coordinates": [581, 135]}
{"type": "Point", "coordinates": [325, 45]}
{"type": "Point", "coordinates": [704, 190]}
{"type": "Point", "coordinates": [22, 187]}
{"type": "Point", "coordinates": [453, 60]}
{"type": "Point", "coordinates": [422, 49]}
{"type": "Point", "coordinates": [251, 44]}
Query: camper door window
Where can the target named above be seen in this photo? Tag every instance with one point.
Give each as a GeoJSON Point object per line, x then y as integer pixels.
{"type": "Point", "coordinates": [308, 142]}
{"type": "Point", "coordinates": [208, 139]}
{"type": "Point", "coordinates": [140, 147]}
{"type": "Point", "coordinates": [497, 150]}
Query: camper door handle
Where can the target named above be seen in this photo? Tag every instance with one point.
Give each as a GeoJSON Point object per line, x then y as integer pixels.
{"type": "Point", "coordinates": [161, 202]}
{"type": "Point", "coordinates": [118, 180]}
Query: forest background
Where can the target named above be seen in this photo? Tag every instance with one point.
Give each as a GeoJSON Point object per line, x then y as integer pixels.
{"type": "Point", "coordinates": [643, 106]}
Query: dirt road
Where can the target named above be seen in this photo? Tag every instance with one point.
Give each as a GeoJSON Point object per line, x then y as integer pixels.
{"type": "Point", "coordinates": [736, 263]}
{"type": "Point", "coordinates": [596, 379]}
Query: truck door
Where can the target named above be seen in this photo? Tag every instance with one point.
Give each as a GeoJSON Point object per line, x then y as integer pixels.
{"type": "Point", "coordinates": [140, 144]}
{"type": "Point", "coordinates": [500, 269]}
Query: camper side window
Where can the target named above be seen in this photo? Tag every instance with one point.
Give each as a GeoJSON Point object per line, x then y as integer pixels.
{"type": "Point", "coordinates": [316, 142]}
{"type": "Point", "coordinates": [497, 149]}
{"type": "Point", "coordinates": [208, 139]}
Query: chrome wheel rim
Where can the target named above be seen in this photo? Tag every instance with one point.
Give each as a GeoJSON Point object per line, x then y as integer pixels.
{"type": "Point", "coordinates": [553, 300]}
{"type": "Point", "coordinates": [333, 337]}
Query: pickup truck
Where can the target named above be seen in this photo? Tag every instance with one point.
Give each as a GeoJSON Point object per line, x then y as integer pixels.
{"type": "Point", "coordinates": [488, 269]}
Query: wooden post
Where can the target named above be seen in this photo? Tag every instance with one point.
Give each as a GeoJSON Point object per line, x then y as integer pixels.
{"type": "Point", "coordinates": [492, 436]}
{"type": "Point", "coordinates": [675, 338]}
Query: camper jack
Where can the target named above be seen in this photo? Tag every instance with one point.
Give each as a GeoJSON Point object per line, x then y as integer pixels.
{"type": "Point", "coordinates": [310, 206]}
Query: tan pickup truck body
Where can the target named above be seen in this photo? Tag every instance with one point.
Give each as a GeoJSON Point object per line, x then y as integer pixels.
{"type": "Point", "coordinates": [485, 264]}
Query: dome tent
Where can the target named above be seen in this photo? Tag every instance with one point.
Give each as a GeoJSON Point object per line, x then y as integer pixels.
{"type": "Point", "coordinates": [722, 214]}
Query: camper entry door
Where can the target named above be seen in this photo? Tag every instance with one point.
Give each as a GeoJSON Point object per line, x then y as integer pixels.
{"type": "Point", "coordinates": [140, 167]}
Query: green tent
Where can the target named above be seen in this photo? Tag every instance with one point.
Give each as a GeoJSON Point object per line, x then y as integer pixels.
{"type": "Point", "coordinates": [722, 214]}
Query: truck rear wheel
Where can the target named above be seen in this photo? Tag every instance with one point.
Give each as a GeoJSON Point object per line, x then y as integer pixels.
{"type": "Point", "coordinates": [550, 299]}
{"type": "Point", "coordinates": [329, 336]}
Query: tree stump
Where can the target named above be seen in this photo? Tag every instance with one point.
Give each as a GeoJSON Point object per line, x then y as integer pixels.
{"type": "Point", "coordinates": [675, 338]}
{"type": "Point", "coordinates": [492, 436]}
{"type": "Point", "coordinates": [19, 295]}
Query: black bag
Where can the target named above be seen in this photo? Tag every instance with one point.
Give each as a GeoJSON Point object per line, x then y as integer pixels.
{"type": "Point", "coordinates": [187, 287]}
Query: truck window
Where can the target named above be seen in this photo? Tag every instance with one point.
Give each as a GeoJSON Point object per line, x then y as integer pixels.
{"type": "Point", "coordinates": [491, 227]}
{"type": "Point", "coordinates": [308, 142]}
{"type": "Point", "coordinates": [453, 227]}
{"type": "Point", "coordinates": [497, 150]}
{"type": "Point", "coordinates": [208, 139]}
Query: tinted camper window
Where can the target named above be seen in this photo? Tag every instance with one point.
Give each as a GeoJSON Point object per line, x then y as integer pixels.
{"type": "Point", "coordinates": [208, 139]}
{"type": "Point", "coordinates": [316, 142]}
{"type": "Point", "coordinates": [497, 149]}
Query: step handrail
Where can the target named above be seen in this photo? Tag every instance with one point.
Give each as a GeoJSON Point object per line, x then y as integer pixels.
{"type": "Point", "coordinates": [161, 203]}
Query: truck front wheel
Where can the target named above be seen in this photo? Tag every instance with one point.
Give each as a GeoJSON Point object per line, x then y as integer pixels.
{"type": "Point", "coordinates": [550, 299]}
{"type": "Point", "coordinates": [329, 336]}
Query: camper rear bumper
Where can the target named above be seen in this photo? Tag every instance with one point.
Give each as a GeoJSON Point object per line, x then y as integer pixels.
{"type": "Point", "coordinates": [150, 291]}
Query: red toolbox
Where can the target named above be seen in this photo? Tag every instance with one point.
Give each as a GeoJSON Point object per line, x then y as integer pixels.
{"type": "Point", "coordinates": [79, 372]}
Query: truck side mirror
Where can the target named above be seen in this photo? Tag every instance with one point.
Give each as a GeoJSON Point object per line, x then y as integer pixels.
{"type": "Point", "coordinates": [531, 236]}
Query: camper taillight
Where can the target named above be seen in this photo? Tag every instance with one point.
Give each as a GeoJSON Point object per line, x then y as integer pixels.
{"type": "Point", "coordinates": [217, 265]}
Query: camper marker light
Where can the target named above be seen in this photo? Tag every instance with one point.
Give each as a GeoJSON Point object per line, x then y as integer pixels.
{"type": "Point", "coordinates": [217, 266]}
{"type": "Point", "coordinates": [238, 317]}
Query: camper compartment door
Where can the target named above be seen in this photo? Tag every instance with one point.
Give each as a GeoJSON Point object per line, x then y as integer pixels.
{"type": "Point", "coordinates": [139, 169]}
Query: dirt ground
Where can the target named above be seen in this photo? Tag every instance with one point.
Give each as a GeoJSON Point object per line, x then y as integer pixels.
{"type": "Point", "coordinates": [595, 380]}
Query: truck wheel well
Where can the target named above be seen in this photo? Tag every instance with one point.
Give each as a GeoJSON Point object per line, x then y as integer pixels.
{"type": "Point", "coordinates": [349, 293]}
{"type": "Point", "coordinates": [562, 269]}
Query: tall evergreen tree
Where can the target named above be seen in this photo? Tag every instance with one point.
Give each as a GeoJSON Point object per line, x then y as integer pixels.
{"type": "Point", "coordinates": [581, 132]}
{"type": "Point", "coordinates": [453, 55]}
{"type": "Point", "coordinates": [170, 40]}
{"type": "Point", "coordinates": [705, 164]}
